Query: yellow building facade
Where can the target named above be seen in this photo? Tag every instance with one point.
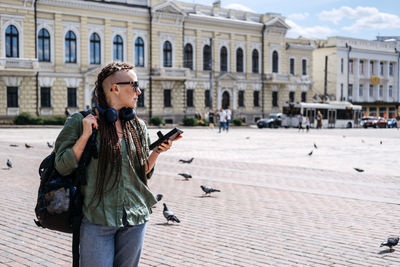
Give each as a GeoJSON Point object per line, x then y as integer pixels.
{"type": "Point", "coordinates": [189, 58]}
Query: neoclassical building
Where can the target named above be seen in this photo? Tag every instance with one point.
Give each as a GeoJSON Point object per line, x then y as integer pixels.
{"type": "Point", "coordinates": [361, 71]}
{"type": "Point", "coordinates": [189, 58]}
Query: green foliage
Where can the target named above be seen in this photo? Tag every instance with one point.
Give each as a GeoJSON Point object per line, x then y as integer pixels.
{"type": "Point", "coordinates": [237, 122]}
{"type": "Point", "coordinates": [27, 119]}
{"type": "Point", "coordinates": [189, 121]}
{"type": "Point", "coordinates": [157, 121]}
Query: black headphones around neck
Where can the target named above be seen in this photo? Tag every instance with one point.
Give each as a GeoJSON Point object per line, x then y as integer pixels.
{"type": "Point", "coordinates": [111, 114]}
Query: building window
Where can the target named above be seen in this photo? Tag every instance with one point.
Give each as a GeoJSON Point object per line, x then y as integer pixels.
{"type": "Point", "coordinates": [361, 90]}
{"type": "Point", "coordinates": [118, 48]}
{"type": "Point", "coordinates": [304, 67]}
{"type": "Point", "coordinates": [189, 98]}
{"type": "Point", "coordinates": [70, 47]}
{"type": "Point", "coordinates": [12, 41]}
{"type": "Point", "coordinates": [341, 92]}
{"type": "Point", "coordinates": [139, 52]}
{"type": "Point", "coordinates": [241, 98]}
{"type": "Point", "coordinates": [44, 45]}
{"type": "Point", "coordinates": [381, 68]}
{"type": "Point", "coordinates": [224, 59]}
{"type": "Point", "coordinates": [303, 96]}
{"type": "Point", "coordinates": [380, 90]}
{"type": "Point", "coordinates": [207, 101]}
{"type": "Point", "coordinates": [12, 97]}
{"type": "Point", "coordinates": [207, 57]}
{"type": "Point", "coordinates": [382, 112]}
{"type": "Point", "coordinates": [341, 65]}
{"type": "Point", "coordinates": [371, 90]}
{"type": "Point", "coordinates": [292, 64]}
{"type": "Point", "coordinates": [188, 57]}
{"type": "Point", "coordinates": [372, 111]}
{"type": "Point", "coordinates": [350, 90]}
{"type": "Point", "coordinates": [351, 66]}
{"type": "Point", "coordinates": [254, 58]}
{"type": "Point", "coordinates": [361, 67]}
{"type": "Point", "coordinates": [256, 98]}
{"type": "Point", "coordinates": [239, 60]}
{"type": "Point", "coordinates": [275, 62]}
{"type": "Point", "coordinates": [167, 54]}
{"type": "Point", "coordinates": [71, 98]}
{"type": "Point", "coordinates": [392, 113]}
{"type": "Point", "coordinates": [391, 69]}
{"type": "Point", "coordinates": [274, 99]}
{"type": "Point", "coordinates": [371, 63]}
{"type": "Point", "coordinates": [390, 91]}
{"type": "Point", "coordinates": [291, 96]}
{"type": "Point", "coordinates": [45, 97]}
{"type": "Point", "coordinates": [167, 98]}
{"type": "Point", "coordinates": [140, 102]}
{"type": "Point", "coordinates": [95, 52]}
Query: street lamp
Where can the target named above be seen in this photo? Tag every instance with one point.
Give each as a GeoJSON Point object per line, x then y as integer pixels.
{"type": "Point", "coordinates": [348, 70]}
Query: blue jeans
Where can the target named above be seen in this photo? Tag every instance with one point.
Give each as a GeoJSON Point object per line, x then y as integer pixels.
{"type": "Point", "coordinates": [227, 125]}
{"type": "Point", "coordinates": [110, 246]}
{"type": "Point", "coordinates": [221, 126]}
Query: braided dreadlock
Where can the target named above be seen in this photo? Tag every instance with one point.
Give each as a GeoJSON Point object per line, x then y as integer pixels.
{"type": "Point", "coordinates": [110, 156]}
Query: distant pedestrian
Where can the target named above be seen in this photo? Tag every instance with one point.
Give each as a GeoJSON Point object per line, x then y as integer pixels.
{"type": "Point", "coordinates": [228, 118]}
{"type": "Point", "coordinates": [211, 119]}
{"type": "Point", "coordinates": [301, 122]}
{"type": "Point", "coordinates": [319, 119]}
{"type": "Point", "coordinates": [222, 120]}
{"type": "Point", "coordinates": [67, 113]}
{"type": "Point", "coordinates": [307, 124]}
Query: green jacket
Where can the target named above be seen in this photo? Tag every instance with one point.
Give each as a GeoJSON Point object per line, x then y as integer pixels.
{"type": "Point", "coordinates": [130, 193]}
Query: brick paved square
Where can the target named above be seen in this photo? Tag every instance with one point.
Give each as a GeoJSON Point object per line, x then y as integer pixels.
{"type": "Point", "coordinates": [277, 205]}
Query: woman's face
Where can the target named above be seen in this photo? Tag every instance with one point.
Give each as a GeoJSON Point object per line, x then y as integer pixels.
{"type": "Point", "coordinates": [129, 94]}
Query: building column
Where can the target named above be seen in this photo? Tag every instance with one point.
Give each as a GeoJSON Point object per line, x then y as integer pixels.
{"type": "Point", "coordinates": [107, 41]}
{"type": "Point", "coordinates": [58, 42]}
{"type": "Point", "coordinates": [356, 83]}
{"type": "Point", "coordinates": [129, 44]}
{"type": "Point", "coordinates": [84, 45]}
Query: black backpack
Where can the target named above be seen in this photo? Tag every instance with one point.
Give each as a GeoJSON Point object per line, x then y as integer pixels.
{"type": "Point", "coordinates": [59, 202]}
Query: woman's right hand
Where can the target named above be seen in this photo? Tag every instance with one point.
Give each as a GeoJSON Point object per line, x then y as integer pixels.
{"type": "Point", "coordinates": [88, 122]}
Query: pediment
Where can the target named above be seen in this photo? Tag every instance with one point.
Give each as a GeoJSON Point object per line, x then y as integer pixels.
{"type": "Point", "coordinates": [168, 7]}
{"type": "Point", "coordinates": [226, 77]}
{"type": "Point", "coordinates": [277, 22]}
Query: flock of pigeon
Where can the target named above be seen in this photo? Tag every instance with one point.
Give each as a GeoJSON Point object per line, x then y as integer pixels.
{"type": "Point", "coordinates": [168, 214]}
{"type": "Point", "coordinates": [9, 163]}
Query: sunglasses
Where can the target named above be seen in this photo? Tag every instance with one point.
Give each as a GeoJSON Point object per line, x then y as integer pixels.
{"type": "Point", "coordinates": [135, 85]}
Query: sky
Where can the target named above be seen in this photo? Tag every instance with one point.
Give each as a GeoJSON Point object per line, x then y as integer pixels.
{"type": "Point", "coordinates": [319, 19]}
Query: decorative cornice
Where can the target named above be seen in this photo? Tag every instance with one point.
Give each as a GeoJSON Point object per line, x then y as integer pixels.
{"type": "Point", "coordinates": [12, 80]}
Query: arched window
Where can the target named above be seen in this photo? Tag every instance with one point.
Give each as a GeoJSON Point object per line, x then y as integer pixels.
{"type": "Point", "coordinates": [139, 52]}
{"type": "Point", "coordinates": [275, 61]}
{"type": "Point", "coordinates": [118, 48]}
{"type": "Point", "coordinates": [95, 53]}
{"type": "Point", "coordinates": [224, 59]}
{"type": "Point", "coordinates": [207, 57]}
{"type": "Point", "coordinates": [188, 57]}
{"type": "Point", "coordinates": [70, 47]}
{"type": "Point", "coordinates": [239, 60]}
{"type": "Point", "coordinates": [44, 45]}
{"type": "Point", "coordinates": [254, 59]}
{"type": "Point", "coordinates": [12, 41]}
{"type": "Point", "coordinates": [167, 54]}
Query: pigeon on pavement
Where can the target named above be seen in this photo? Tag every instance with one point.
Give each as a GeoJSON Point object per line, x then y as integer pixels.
{"type": "Point", "coordinates": [50, 145]}
{"type": "Point", "coordinates": [9, 163]}
{"type": "Point", "coordinates": [14, 145]}
{"type": "Point", "coordinates": [186, 161]}
{"type": "Point", "coordinates": [315, 146]}
{"type": "Point", "coordinates": [185, 175]}
{"type": "Point", "coordinates": [390, 242]}
{"type": "Point", "coordinates": [159, 197]}
{"type": "Point", "coordinates": [169, 215]}
{"type": "Point", "coordinates": [310, 153]}
{"type": "Point", "coordinates": [28, 146]}
{"type": "Point", "coordinates": [359, 170]}
{"type": "Point", "coordinates": [208, 190]}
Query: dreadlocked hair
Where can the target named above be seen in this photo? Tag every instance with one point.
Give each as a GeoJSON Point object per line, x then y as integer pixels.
{"type": "Point", "coordinates": [110, 154]}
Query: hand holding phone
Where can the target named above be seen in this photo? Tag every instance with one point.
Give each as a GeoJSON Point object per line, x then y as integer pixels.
{"type": "Point", "coordinates": [171, 135]}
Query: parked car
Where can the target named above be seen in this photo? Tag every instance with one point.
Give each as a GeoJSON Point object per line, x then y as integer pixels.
{"type": "Point", "coordinates": [273, 121]}
{"type": "Point", "coordinates": [369, 121]}
{"type": "Point", "coordinates": [391, 123]}
{"type": "Point", "coordinates": [381, 122]}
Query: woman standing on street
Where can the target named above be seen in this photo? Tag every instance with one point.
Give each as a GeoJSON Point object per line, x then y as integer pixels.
{"type": "Point", "coordinates": [117, 201]}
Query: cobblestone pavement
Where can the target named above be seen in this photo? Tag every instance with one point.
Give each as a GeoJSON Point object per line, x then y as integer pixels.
{"type": "Point", "coordinates": [277, 205]}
